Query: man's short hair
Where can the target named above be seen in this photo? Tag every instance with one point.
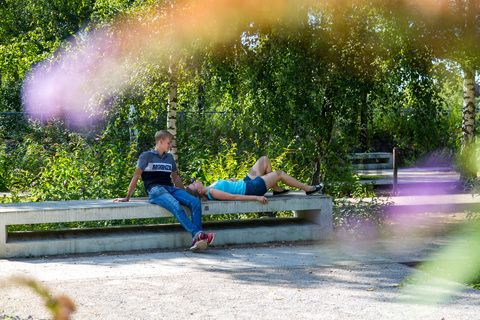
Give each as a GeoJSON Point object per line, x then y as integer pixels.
{"type": "Point", "coordinates": [162, 135]}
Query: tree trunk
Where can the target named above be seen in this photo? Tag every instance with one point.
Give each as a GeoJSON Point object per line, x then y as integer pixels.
{"type": "Point", "coordinates": [364, 138]}
{"type": "Point", "coordinates": [468, 112]}
{"type": "Point", "coordinates": [323, 141]}
{"type": "Point", "coordinates": [468, 165]}
{"type": "Point", "coordinates": [131, 124]}
{"type": "Point", "coordinates": [172, 109]}
{"type": "Point", "coordinates": [200, 89]}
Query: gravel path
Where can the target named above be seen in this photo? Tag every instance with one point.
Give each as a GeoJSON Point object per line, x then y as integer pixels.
{"type": "Point", "coordinates": [309, 281]}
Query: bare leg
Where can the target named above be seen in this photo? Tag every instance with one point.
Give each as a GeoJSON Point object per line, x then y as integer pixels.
{"type": "Point", "coordinates": [273, 178]}
{"type": "Point", "coordinates": [262, 167]}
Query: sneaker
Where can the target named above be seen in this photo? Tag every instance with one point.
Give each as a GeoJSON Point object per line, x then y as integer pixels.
{"type": "Point", "coordinates": [284, 191]}
{"type": "Point", "coordinates": [200, 241]}
{"type": "Point", "coordinates": [318, 189]}
{"type": "Point", "coordinates": [199, 244]}
{"type": "Point", "coordinates": [210, 237]}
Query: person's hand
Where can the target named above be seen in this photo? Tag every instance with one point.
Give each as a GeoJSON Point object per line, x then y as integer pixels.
{"type": "Point", "coordinates": [262, 199]}
{"type": "Point", "coordinates": [232, 179]}
{"type": "Point", "coordinates": [121, 200]}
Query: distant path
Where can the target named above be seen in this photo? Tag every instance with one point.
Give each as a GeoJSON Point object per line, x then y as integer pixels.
{"type": "Point", "coordinates": [446, 203]}
{"type": "Point", "coordinates": [414, 181]}
{"type": "Point", "coordinates": [410, 175]}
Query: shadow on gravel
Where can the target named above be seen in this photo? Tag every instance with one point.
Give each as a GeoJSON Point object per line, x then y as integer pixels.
{"type": "Point", "coordinates": [377, 282]}
{"type": "Point", "coordinates": [361, 271]}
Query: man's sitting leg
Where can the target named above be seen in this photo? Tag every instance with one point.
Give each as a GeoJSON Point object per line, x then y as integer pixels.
{"type": "Point", "coordinates": [195, 206]}
{"type": "Point", "coordinates": [160, 196]}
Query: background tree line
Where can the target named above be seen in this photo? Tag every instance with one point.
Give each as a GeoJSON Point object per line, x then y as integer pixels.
{"type": "Point", "coordinates": [352, 76]}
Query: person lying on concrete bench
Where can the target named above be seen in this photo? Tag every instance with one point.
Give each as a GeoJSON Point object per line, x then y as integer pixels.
{"type": "Point", "coordinates": [165, 188]}
{"type": "Point", "coordinates": [259, 179]}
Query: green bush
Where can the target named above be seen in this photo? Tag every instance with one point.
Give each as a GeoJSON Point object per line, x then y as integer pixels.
{"type": "Point", "coordinates": [360, 219]}
{"type": "Point", "coordinates": [467, 164]}
{"type": "Point", "coordinates": [6, 169]}
{"type": "Point", "coordinates": [54, 164]}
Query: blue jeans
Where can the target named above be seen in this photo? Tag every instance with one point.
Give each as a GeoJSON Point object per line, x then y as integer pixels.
{"type": "Point", "coordinates": [171, 199]}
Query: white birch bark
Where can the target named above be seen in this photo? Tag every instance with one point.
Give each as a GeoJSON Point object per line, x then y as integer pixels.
{"type": "Point", "coordinates": [172, 109]}
{"type": "Point", "coordinates": [131, 124]}
{"type": "Point", "coordinates": [468, 111]}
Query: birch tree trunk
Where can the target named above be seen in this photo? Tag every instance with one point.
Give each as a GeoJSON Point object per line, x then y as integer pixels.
{"type": "Point", "coordinates": [468, 169]}
{"type": "Point", "coordinates": [131, 124]}
{"type": "Point", "coordinates": [468, 111]}
{"type": "Point", "coordinates": [172, 109]}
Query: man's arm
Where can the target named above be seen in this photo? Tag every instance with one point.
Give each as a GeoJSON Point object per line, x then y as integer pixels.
{"type": "Point", "coordinates": [132, 186]}
{"type": "Point", "coordinates": [177, 180]}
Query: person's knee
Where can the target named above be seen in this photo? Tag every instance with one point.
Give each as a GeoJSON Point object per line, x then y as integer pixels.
{"type": "Point", "coordinates": [265, 164]}
{"type": "Point", "coordinates": [265, 161]}
{"type": "Point", "coordinates": [280, 173]}
{"type": "Point", "coordinates": [192, 202]}
{"type": "Point", "coordinates": [196, 203]}
{"type": "Point", "coordinates": [176, 206]}
{"type": "Point", "coordinates": [165, 200]}
{"type": "Point", "coordinates": [172, 205]}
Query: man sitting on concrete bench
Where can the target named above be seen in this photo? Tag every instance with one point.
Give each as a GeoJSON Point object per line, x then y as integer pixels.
{"type": "Point", "coordinates": [165, 188]}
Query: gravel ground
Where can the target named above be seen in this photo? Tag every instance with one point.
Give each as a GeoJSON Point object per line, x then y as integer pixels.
{"type": "Point", "coordinates": [362, 280]}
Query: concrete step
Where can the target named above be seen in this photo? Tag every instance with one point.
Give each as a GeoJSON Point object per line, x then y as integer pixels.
{"type": "Point", "coordinates": [172, 236]}
{"type": "Point", "coordinates": [434, 203]}
{"type": "Point", "coordinates": [420, 188]}
{"type": "Point", "coordinates": [441, 203]}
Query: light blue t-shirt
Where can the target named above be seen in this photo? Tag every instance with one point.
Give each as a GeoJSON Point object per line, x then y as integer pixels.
{"type": "Point", "coordinates": [233, 187]}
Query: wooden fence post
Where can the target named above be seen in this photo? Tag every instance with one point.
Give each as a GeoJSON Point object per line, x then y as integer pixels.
{"type": "Point", "coordinates": [395, 172]}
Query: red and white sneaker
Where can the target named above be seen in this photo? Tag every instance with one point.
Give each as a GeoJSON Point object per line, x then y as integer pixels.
{"type": "Point", "coordinates": [210, 237]}
{"type": "Point", "coordinates": [202, 240]}
{"type": "Point", "coordinates": [199, 244]}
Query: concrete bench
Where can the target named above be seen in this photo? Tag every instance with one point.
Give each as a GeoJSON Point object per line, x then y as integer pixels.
{"type": "Point", "coordinates": [313, 221]}
{"type": "Point", "coordinates": [371, 160]}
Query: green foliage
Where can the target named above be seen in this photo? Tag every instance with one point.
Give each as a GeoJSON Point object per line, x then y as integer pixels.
{"type": "Point", "coordinates": [409, 110]}
{"type": "Point", "coordinates": [106, 10]}
{"type": "Point", "coordinates": [467, 164]}
{"type": "Point", "coordinates": [90, 224]}
{"type": "Point", "coordinates": [347, 79]}
{"type": "Point", "coordinates": [229, 163]}
{"type": "Point", "coordinates": [30, 31]}
{"type": "Point", "coordinates": [226, 164]}
{"type": "Point", "coordinates": [441, 272]}
{"type": "Point", "coordinates": [359, 219]}
{"type": "Point", "coordinates": [473, 217]}
{"type": "Point", "coordinates": [6, 169]}
{"type": "Point", "coordinates": [54, 164]}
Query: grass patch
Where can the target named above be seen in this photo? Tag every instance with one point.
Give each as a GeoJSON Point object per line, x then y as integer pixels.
{"type": "Point", "coordinates": [446, 273]}
{"type": "Point", "coordinates": [372, 177]}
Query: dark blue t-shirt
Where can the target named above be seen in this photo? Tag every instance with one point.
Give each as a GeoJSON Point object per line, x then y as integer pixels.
{"type": "Point", "coordinates": [157, 169]}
